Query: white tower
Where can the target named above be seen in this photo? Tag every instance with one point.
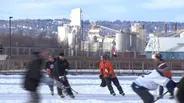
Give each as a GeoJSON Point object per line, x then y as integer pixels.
{"type": "Point", "coordinates": [75, 17]}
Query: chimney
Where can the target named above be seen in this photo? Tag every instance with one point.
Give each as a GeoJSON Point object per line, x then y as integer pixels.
{"type": "Point", "coordinates": [175, 26]}
{"type": "Point", "coordinates": [165, 27]}
{"type": "Point", "coordinates": [143, 26]}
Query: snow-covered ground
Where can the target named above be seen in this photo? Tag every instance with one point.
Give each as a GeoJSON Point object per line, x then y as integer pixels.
{"type": "Point", "coordinates": [11, 91]}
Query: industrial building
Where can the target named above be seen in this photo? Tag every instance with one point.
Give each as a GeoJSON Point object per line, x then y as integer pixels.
{"type": "Point", "coordinates": [124, 40]}
{"type": "Point", "coordinates": [70, 34]}
{"type": "Point", "coordinates": [169, 47]}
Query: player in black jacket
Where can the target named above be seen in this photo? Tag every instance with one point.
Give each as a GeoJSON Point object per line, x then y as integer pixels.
{"type": "Point", "coordinates": [49, 67]}
{"type": "Point", "coordinates": [33, 75]}
{"type": "Point", "coordinates": [61, 66]}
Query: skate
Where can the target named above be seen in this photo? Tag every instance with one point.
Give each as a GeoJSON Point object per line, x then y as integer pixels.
{"type": "Point", "coordinates": [171, 96]}
{"type": "Point", "coordinates": [160, 97]}
{"type": "Point", "coordinates": [71, 96]}
{"type": "Point", "coordinates": [114, 94]}
{"type": "Point", "coordinates": [52, 93]}
{"type": "Point", "coordinates": [123, 94]}
{"type": "Point", "coordinates": [62, 96]}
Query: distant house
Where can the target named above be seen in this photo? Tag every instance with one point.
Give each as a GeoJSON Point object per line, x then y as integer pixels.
{"type": "Point", "coordinates": [169, 47]}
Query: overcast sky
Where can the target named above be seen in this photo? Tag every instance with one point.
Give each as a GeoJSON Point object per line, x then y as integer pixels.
{"type": "Point", "coordinates": [147, 10]}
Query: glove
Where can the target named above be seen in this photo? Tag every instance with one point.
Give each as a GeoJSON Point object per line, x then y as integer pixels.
{"type": "Point", "coordinates": [101, 76]}
{"type": "Point", "coordinates": [62, 78]}
{"type": "Point", "coordinates": [66, 72]}
{"type": "Point", "coordinates": [109, 76]}
{"type": "Point", "coordinates": [48, 71]}
{"type": "Point", "coordinates": [103, 83]}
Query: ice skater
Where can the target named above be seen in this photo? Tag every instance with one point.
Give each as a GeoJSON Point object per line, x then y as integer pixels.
{"type": "Point", "coordinates": [107, 72]}
{"type": "Point", "coordinates": [49, 67]}
{"type": "Point", "coordinates": [165, 71]}
{"type": "Point", "coordinates": [143, 84]}
{"type": "Point", "coordinates": [180, 91]}
{"type": "Point", "coordinates": [61, 71]}
{"type": "Point", "coordinates": [33, 75]}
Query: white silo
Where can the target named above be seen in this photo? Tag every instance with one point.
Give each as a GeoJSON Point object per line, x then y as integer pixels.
{"type": "Point", "coordinates": [141, 40]}
{"type": "Point", "coordinates": [63, 32]}
{"type": "Point", "coordinates": [182, 35]}
{"type": "Point", "coordinates": [133, 41]}
{"type": "Point", "coordinates": [127, 40]}
{"type": "Point", "coordinates": [75, 17]}
{"type": "Point", "coordinates": [120, 43]}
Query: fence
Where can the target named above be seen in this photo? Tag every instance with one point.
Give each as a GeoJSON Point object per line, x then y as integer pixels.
{"type": "Point", "coordinates": [26, 51]}
{"type": "Point", "coordinates": [84, 66]}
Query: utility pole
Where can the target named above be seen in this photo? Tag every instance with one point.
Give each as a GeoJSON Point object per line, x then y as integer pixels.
{"type": "Point", "coordinates": [10, 42]}
{"type": "Point", "coordinates": [10, 35]}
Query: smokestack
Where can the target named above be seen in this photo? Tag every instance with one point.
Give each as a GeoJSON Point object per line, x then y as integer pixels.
{"type": "Point", "coordinates": [175, 26]}
{"type": "Point", "coordinates": [143, 26]}
{"type": "Point", "coordinates": [165, 27]}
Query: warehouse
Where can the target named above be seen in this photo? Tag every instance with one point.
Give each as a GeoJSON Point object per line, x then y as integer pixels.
{"type": "Point", "coordinates": [169, 47]}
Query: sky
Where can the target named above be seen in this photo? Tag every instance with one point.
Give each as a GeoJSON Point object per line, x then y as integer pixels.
{"type": "Point", "coordinates": [93, 10]}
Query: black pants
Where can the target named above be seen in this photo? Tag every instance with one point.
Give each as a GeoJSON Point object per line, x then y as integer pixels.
{"type": "Point", "coordinates": [180, 92]}
{"type": "Point", "coordinates": [51, 86]}
{"type": "Point", "coordinates": [34, 97]}
{"type": "Point", "coordinates": [65, 82]}
{"type": "Point", "coordinates": [161, 90]}
{"type": "Point", "coordinates": [103, 83]}
{"type": "Point", "coordinates": [143, 93]}
{"type": "Point", "coordinates": [115, 82]}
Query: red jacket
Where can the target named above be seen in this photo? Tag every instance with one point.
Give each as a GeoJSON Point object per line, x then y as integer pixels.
{"type": "Point", "coordinates": [106, 69]}
{"type": "Point", "coordinates": [164, 69]}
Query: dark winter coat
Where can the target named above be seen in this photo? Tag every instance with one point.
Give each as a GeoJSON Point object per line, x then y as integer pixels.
{"type": "Point", "coordinates": [180, 93]}
{"type": "Point", "coordinates": [51, 65]}
{"type": "Point", "coordinates": [61, 66]}
{"type": "Point", "coordinates": [33, 75]}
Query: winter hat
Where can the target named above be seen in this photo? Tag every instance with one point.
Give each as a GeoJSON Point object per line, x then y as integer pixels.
{"type": "Point", "coordinates": [157, 56]}
{"type": "Point", "coordinates": [51, 56]}
{"type": "Point", "coordinates": [105, 56]}
{"type": "Point", "coordinates": [61, 54]}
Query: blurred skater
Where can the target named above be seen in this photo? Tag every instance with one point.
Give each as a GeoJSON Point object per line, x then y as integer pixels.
{"type": "Point", "coordinates": [34, 75]}
{"type": "Point", "coordinates": [180, 91]}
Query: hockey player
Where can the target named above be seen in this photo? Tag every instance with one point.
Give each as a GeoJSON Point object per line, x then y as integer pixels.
{"type": "Point", "coordinates": [34, 75]}
{"type": "Point", "coordinates": [143, 84]}
{"type": "Point", "coordinates": [61, 72]}
{"type": "Point", "coordinates": [165, 71]}
{"type": "Point", "coordinates": [107, 72]}
{"type": "Point", "coordinates": [180, 91]}
{"type": "Point", "coordinates": [103, 83]}
{"type": "Point", "coordinates": [50, 71]}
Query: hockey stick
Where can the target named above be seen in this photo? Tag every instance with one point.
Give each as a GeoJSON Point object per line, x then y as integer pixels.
{"type": "Point", "coordinates": [74, 91]}
{"type": "Point", "coordinates": [162, 95]}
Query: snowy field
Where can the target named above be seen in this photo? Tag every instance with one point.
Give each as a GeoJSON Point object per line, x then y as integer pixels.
{"type": "Point", "coordinates": [11, 91]}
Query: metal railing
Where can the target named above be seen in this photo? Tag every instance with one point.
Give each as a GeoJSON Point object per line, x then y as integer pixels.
{"type": "Point", "coordinates": [130, 65]}
{"type": "Point", "coordinates": [27, 51]}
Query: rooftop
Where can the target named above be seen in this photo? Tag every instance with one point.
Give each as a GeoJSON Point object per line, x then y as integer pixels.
{"type": "Point", "coordinates": [166, 44]}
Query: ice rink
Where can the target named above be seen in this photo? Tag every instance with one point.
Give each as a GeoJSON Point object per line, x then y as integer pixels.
{"type": "Point", "coordinates": [11, 91]}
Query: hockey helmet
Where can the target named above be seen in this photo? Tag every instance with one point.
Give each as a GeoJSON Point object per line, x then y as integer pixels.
{"type": "Point", "coordinates": [158, 56]}
{"type": "Point", "coordinates": [105, 56]}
